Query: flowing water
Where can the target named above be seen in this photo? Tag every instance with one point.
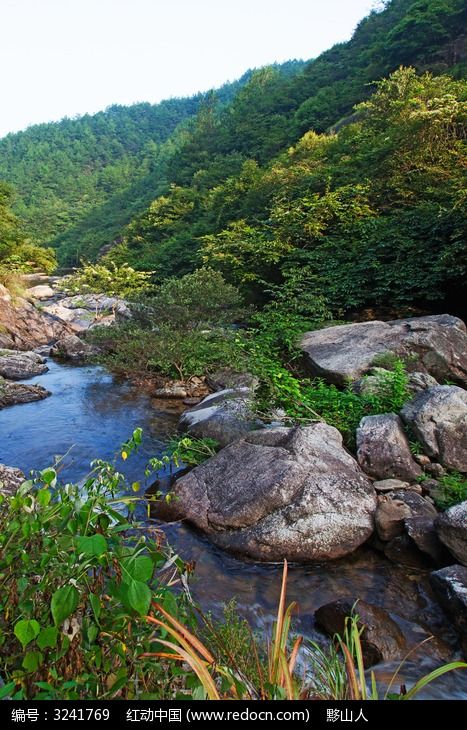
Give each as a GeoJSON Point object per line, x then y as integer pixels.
{"type": "Point", "coordinates": [90, 413]}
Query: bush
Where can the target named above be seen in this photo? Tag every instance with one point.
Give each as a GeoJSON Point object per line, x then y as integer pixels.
{"type": "Point", "coordinates": [453, 490]}
{"type": "Point", "coordinates": [76, 577]}
{"type": "Point", "coordinates": [108, 279]}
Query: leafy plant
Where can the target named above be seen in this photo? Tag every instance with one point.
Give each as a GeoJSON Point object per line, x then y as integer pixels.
{"type": "Point", "coordinates": [192, 451]}
{"type": "Point", "coordinates": [453, 489]}
{"type": "Point", "coordinates": [75, 576]}
{"type": "Point", "coordinates": [108, 279]}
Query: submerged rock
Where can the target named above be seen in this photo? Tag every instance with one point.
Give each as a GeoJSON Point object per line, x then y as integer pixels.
{"type": "Point", "coordinates": [12, 394]}
{"type": "Point", "coordinates": [16, 365]}
{"type": "Point", "coordinates": [279, 493]}
{"type": "Point", "coordinates": [438, 419]}
{"type": "Point", "coordinates": [346, 352]}
{"type": "Point", "coordinates": [382, 639]}
{"type": "Point", "coordinates": [383, 449]}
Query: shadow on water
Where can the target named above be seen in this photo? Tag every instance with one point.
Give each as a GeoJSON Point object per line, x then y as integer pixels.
{"type": "Point", "coordinates": [92, 413]}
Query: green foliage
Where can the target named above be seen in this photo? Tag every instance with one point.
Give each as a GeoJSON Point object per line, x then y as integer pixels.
{"type": "Point", "coordinates": [192, 451]}
{"type": "Point", "coordinates": [108, 279]}
{"type": "Point", "coordinates": [76, 574]}
{"type": "Point", "coordinates": [453, 490]}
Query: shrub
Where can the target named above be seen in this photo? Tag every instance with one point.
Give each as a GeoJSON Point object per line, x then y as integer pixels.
{"type": "Point", "coordinates": [107, 279]}
{"type": "Point", "coordinates": [453, 490]}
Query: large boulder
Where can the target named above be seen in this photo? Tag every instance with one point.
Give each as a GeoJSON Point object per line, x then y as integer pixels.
{"type": "Point", "coordinates": [224, 416]}
{"type": "Point", "coordinates": [40, 291]}
{"type": "Point", "coordinates": [15, 365]}
{"type": "Point", "coordinates": [346, 352]}
{"type": "Point", "coordinates": [452, 530]}
{"type": "Point", "coordinates": [450, 586]}
{"type": "Point", "coordinates": [383, 449]}
{"type": "Point", "coordinates": [382, 639]}
{"type": "Point", "coordinates": [279, 493]}
{"type": "Point", "coordinates": [73, 348]}
{"type": "Point", "coordinates": [438, 419]}
{"type": "Point", "coordinates": [12, 394]}
{"type": "Point", "coordinates": [23, 327]}
{"type": "Point", "coordinates": [10, 480]}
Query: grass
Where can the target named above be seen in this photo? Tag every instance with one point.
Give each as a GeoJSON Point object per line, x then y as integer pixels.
{"type": "Point", "coordinates": [453, 490]}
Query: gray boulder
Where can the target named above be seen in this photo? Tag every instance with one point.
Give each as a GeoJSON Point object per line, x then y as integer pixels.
{"type": "Point", "coordinates": [228, 379]}
{"type": "Point", "coordinates": [12, 394]}
{"type": "Point", "coordinates": [279, 493]}
{"type": "Point", "coordinates": [73, 348]}
{"type": "Point", "coordinates": [438, 419]}
{"type": "Point", "coordinates": [450, 586]}
{"type": "Point", "coordinates": [346, 352]}
{"type": "Point", "coordinates": [224, 416]}
{"type": "Point", "coordinates": [10, 480]}
{"type": "Point", "coordinates": [16, 365]}
{"type": "Point", "coordinates": [40, 291]}
{"type": "Point", "coordinates": [85, 311]}
{"type": "Point", "coordinates": [383, 449]}
{"type": "Point", "coordinates": [452, 530]}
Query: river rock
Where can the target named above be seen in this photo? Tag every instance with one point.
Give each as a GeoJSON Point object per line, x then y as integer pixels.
{"type": "Point", "coordinates": [224, 416]}
{"type": "Point", "coordinates": [15, 365]}
{"type": "Point", "coordinates": [390, 518]}
{"type": "Point", "coordinates": [383, 449]}
{"type": "Point", "coordinates": [23, 327]}
{"type": "Point", "coordinates": [423, 532]}
{"type": "Point", "coordinates": [420, 381]}
{"type": "Point", "coordinates": [10, 480]}
{"type": "Point", "coordinates": [390, 485]}
{"type": "Point", "coordinates": [452, 530]}
{"type": "Point", "coordinates": [279, 493]}
{"type": "Point", "coordinates": [382, 639]}
{"type": "Point", "coordinates": [450, 586]}
{"type": "Point", "coordinates": [346, 352]}
{"type": "Point", "coordinates": [86, 311]}
{"type": "Point", "coordinates": [228, 379]}
{"type": "Point", "coordinates": [41, 291]}
{"type": "Point", "coordinates": [73, 348]}
{"type": "Point", "coordinates": [12, 394]}
{"type": "Point", "coordinates": [438, 419]}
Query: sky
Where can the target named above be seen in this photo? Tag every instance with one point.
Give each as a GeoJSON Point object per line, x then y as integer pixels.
{"type": "Point", "coordinates": [68, 57]}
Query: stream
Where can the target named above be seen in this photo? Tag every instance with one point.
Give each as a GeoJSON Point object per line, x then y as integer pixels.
{"type": "Point", "coordinates": [90, 413]}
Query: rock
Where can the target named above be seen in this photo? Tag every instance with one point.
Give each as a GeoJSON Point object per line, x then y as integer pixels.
{"type": "Point", "coordinates": [12, 394]}
{"type": "Point", "coordinates": [15, 365]}
{"type": "Point", "coordinates": [422, 531]}
{"type": "Point", "coordinates": [228, 379]}
{"type": "Point", "coordinates": [23, 327]}
{"type": "Point", "coordinates": [389, 519]}
{"type": "Point", "coordinates": [438, 419]}
{"type": "Point", "coordinates": [72, 347]}
{"type": "Point", "coordinates": [85, 311]}
{"type": "Point", "coordinates": [451, 527]}
{"type": "Point", "coordinates": [346, 352]}
{"type": "Point", "coordinates": [420, 381]}
{"type": "Point", "coordinates": [383, 449]}
{"type": "Point", "coordinates": [10, 480]}
{"type": "Point", "coordinates": [382, 639]}
{"type": "Point", "coordinates": [403, 551]}
{"type": "Point", "coordinates": [450, 586]}
{"type": "Point", "coordinates": [390, 485]}
{"type": "Point", "coordinates": [41, 291]}
{"type": "Point", "coordinates": [419, 506]}
{"type": "Point", "coordinates": [422, 459]}
{"type": "Point", "coordinates": [279, 493]}
{"type": "Point", "coordinates": [224, 416]}
{"type": "Point", "coordinates": [436, 470]}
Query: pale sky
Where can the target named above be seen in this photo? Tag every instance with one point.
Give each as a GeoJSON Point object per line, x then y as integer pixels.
{"type": "Point", "coordinates": [67, 57]}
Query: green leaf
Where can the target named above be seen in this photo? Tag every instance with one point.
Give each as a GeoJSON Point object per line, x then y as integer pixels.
{"type": "Point", "coordinates": [139, 596]}
{"type": "Point", "coordinates": [139, 568]}
{"type": "Point", "coordinates": [44, 497]}
{"type": "Point", "coordinates": [48, 638]}
{"type": "Point", "coordinates": [7, 689]}
{"type": "Point", "coordinates": [95, 545]}
{"type": "Point", "coordinates": [26, 631]}
{"type": "Point", "coordinates": [95, 605]}
{"type": "Point", "coordinates": [64, 602]}
{"type": "Point", "coordinates": [49, 476]}
{"type": "Point", "coordinates": [32, 661]}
